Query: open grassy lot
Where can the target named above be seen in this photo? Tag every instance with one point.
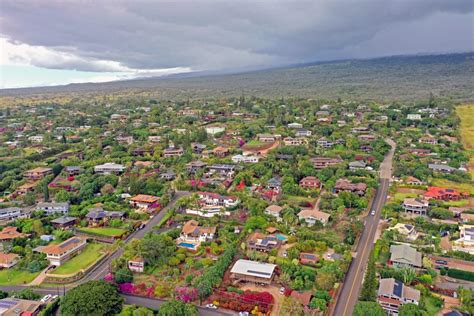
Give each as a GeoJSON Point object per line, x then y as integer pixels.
{"type": "Point", "coordinates": [466, 114]}
{"type": "Point", "coordinates": [91, 253]}
{"type": "Point", "coordinates": [16, 277]}
{"type": "Point", "coordinates": [104, 231]}
{"type": "Point", "coordinates": [400, 196]}
{"type": "Point", "coordinates": [463, 187]}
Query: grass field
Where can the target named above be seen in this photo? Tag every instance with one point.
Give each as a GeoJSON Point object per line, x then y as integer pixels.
{"type": "Point", "coordinates": [466, 114]}
{"type": "Point", "coordinates": [399, 196]}
{"type": "Point", "coordinates": [90, 254]}
{"type": "Point", "coordinates": [16, 277]}
{"type": "Point", "coordinates": [104, 231]}
{"type": "Point", "coordinates": [463, 187]}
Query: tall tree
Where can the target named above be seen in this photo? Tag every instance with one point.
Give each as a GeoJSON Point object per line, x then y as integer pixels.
{"type": "Point", "coordinates": [369, 287]}
{"type": "Point", "coordinates": [368, 309]}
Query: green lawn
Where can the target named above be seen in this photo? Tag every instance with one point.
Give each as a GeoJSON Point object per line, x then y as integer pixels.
{"type": "Point", "coordinates": [431, 305]}
{"type": "Point", "coordinates": [104, 231]}
{"type": "Point", "coordinates": [88, 255]}
{"type": "Point", "coordinates": [15, 277]}
{"type": "Point", "coordinates": [399, 196]}
{"type": "Point", "coordinates": [456, 203]}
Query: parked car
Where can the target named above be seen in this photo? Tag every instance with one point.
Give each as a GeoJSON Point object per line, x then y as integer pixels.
{"type": "Point", "coordinates": [444, 262]}
{"type": "Point", "coordinates": [46, 298]}
{"type": "Point", "coordinates": [244, 314]}
{"type": "Point", "coordinates": [282, 290]}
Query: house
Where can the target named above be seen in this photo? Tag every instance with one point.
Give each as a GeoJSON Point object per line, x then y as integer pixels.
{"type": "Point", "coordinates": [295, 125]}
{"type": "Point", "coordinates": [245, 159]}
{"type": "Point", "coordinates": [53, 208]}
{"type": "Point", "coordinates": [307, 258]}
{"type": "Point", "coordinates": [264, 243]}
{"type": "Point", "coordinates": [324, 143]}
{"type": "Point", "coordinates": [195, 166]}
{"type": "Point", "coordinates": [220, 151]}
{"type": "Point", "coordinates": [310, 182]}
{"type": "Point", "coordinates": [303, 297]}
{"type": "Point", "coordinates": [60, 253]}
{"type": "Point", "coordinates": [109, 168]}
{"type": "Point", "coordinates": [127, 140]}
{"type": "Point", "coordinates": [325, 162]}
{"type": "Point", "coordinates": [223, 170]}
{"type": "Point", "coordinates": [467, 218]}
{"type": "Point", "coordinates": [192, 232]}
{"type": "Point", "coordinates": [403, 256]}
{"type": "Point", "coordinates": [274, 184]}
{"type": "Point", "coordinates": [268, 138]}
{"type": "Point", "coordinates": [274, 210]}
{"type": "Point", "coordinates": [415, 206]}
{"type": "Point", "coordinates": [347, 186]}
{"type": "Point", "coordinates": [11, 306]}
{"type": "Point", "coordinates": [441, 168]}
{"type": "Point", "coordinates": [357, 165]}
{"type": "Point", "coordinates": [173, 152]}
{"type": "Point", "coordinates": [154, 139]}
{"type": "Point", "coordinates": [252, 271]}
{"type": "Point", "coordinates": [303, 133]}
{"type": "Point", "coordinates": [9, 233]}
{"type": "Point", "coordinates": [168, 175]}
{"type": "Point", "coordinates": [25, 188]}
{"type": "Point", "coordinates": [366, 137]}
{"type": "Point", "coordinates": [198, 148]}
{"type": "Point", "coordinates": [215, 199]}
{"type": "Point", "coordinates": [213, 130]}
{"type": "Point", "coordinates": [413, 181]}
{"type": "Point", "coordinates": [290, 141]}
{"type": "Point", "coordinates": [11, 213]}
{"type": "Point", "coordinates": [414, 117]}
{"type": "Point", "coordinates": [144, 201]}
{"type": "Point", "coordinates": [38, 173]}
{"type": "Point", "coordinates": [438, 193]}
{"type": "Point", "coordinates": [36, 138]}
{"type": "Point", "coordinates": [140, 152]}
{"type": "Point", "coordinates": [8, 260]}
{"type": "Point", "coordinates": [393, 293]}
{"type": "Point", "coordinates": [136, 264]}
{"type": "Point", "coordinates": [98, 214]}
{"type": "Point", "coordinates": [64, 222]}
{"type": "Point", "coordinates": [421, 152]}
{"type": "Point", "coordinates": [72, 170]}
{"type": "Point", "coordinates": [311, 216]}
{"type": "Point", "coordinates": [406, 230]}
{"type": "Point", "coordinates": [430, 140]}
{"type": "Point", "coordinates": [466, 241]}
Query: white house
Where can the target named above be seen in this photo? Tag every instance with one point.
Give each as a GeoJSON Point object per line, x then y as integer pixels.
{"type": "Point", "coordinates": [109, 168]}
{"type": "Point", "coordinates": [311, 216]}
{"type": "Point", "coordinates": [60, 253]}
{"type": "Point", "coordinates": [53, 208]}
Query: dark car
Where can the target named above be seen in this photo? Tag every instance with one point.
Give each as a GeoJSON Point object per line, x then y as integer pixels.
{"type": "Point", "coordinates": [441, 262]}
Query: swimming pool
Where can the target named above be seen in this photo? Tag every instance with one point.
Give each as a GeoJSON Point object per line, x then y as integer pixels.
{"type": "Point", "coordinates": [281, 237]}
{"type": "Point", "coordinates": [187, 245]}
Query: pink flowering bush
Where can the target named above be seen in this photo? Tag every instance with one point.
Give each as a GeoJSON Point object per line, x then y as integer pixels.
{"type": "Point", "coordinates": [186, 294]}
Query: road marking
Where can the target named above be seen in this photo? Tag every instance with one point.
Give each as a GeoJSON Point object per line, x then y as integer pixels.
{"type": "Point", "coordinates": [362, 255]}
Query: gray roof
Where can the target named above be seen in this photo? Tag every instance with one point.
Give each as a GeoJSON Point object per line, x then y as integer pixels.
{"type": "Point", "coordinates": [49, 205]}
{"type": "Point", "coordinates": [405, 254]}
{"type": "Point", "coordinates": [434, 166]}
{"type": "Point", "coordinates": [253, 268]}
{"type": "Point", "coordinates": [63, 220]}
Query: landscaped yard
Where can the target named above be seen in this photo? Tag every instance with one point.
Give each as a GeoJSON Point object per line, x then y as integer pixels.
{"type": "Point", "coordinates": [89, 255]}
{"type": "Point", "coordinates": [399, 196]}
{"type": "Point", "coordinates": [104, 231]}
{"type": "Point", "coordinates": [16, 277]}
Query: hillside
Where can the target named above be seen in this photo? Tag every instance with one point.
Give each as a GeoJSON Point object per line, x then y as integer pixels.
{"type": "Point", "coordinates": [388, 78]}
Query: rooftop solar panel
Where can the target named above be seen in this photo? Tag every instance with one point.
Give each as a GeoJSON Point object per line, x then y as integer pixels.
{"type": "Point", "coordinates": [397, 288]}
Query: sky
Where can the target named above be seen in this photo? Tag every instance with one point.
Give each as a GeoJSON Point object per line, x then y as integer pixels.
{"type": "Point", "coordinates": [45, 43]}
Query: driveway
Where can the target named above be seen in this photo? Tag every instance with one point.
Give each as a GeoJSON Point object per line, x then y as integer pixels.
{"type": "Point", "coordinates": [272, 289]}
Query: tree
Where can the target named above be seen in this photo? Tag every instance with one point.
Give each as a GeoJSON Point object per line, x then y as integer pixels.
{"type": "Point", "coordinates": [408, 275]}
{"type": "Point", "coordinates": [369, 287]}
{"type": "Point", "coordinates": [318, 303]}
{"type": "Point", "coordinates": [123, 275]}
{"type": "Point", "coordinates": [107, 189]}
{"type": "Point", "coordinates": [62, 196]}
{"type": "Point", "coordinates": [177, 308]}
{"type": "Point", "coordinates": [291, 306]}
{"type": "Point", "coordinates": [92, 298]}
{"type": "Point", "coordinates": [368, 309]}
{"type": "Point", "coordinates": [410, 310]}
{"type": "Point", "coordinates": [325, 280]}
{"type": "Point", "coordinates": [157, 249]}
{"type": "Point", "coordinates": [27, 294]}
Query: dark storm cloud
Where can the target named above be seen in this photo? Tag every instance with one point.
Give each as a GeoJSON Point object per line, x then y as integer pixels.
{"type": "Point", "coordinates": [222, 34]}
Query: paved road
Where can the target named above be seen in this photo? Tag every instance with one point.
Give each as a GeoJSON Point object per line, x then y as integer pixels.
{"type": "Point", "coordinates": [354, 277]}
{"type": "Point", "coordinates": [155, 304]}
{"type": "Point", "coordinates": [103, 268]}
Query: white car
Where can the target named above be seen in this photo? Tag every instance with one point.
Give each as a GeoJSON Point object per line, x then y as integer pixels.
{"type": "Point", "coordinates": [211, 306]}
{"type": "Point", "coordinates": [244, 314]}
{"type": "Point", "coordinates": [372, 213]}
{"type": "Point", "coordinates": [46, 298]}
{"type": "Point", "coordinates": [282, 290]}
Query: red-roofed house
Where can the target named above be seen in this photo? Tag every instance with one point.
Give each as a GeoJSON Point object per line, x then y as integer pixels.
{"type": "Point", "coordinates": [438, 193]}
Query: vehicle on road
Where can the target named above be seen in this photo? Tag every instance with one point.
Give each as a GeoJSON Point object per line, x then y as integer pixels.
{"type": "Point", "coordinates": [372, 213]}
{"type": "Point", "coordinates": [282, 290]}
{"type": "Point", "coordinates": [444, 262]}
{"type": "Point", "coordinates": [244, 314]}
{"type": "Point", "coordinates": [211, 306]}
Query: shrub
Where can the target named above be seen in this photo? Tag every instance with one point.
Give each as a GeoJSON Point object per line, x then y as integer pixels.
{"type": "Point", "coordinates": [461, 274]}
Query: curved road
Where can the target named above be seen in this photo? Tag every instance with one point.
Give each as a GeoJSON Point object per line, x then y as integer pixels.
{"type": "Point", "coordinates": [353, 281]}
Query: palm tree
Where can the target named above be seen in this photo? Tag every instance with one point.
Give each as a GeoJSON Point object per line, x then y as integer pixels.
{"type": "Point", "coordinates": [408, 275]}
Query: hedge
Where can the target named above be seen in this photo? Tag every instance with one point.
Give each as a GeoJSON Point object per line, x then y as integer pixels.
{"type": "Point", "coordinates": [461, 274]}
